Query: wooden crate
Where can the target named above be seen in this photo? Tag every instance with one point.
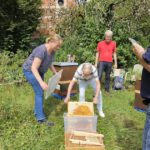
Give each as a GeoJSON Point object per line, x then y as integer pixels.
{"type": "Point", "coordinates": [70, 146]}
{"type": "Point", "coordinates": [67, 75]}
{"type": "Point", "coordinates": [138, 99]}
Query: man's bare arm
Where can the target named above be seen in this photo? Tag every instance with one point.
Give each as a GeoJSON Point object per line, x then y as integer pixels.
{"type": "Point", "coordinates": [115, 60]}
{"type": "Point", "coordinates": [96, 59]}
{"type": "Point", "coordinates": [139, 51]}
{"type": "Point", "coordinates": [69, 91]}
{"type": "Point", "coordinates": [70, 87]}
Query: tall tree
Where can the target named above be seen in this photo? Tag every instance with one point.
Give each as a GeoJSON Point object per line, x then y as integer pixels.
{"type": "Point", "coordinates": [18, 20]}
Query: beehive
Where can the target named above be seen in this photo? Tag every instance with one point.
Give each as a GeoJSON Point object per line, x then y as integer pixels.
{"type": "Point", "coordinates": [80, 109]}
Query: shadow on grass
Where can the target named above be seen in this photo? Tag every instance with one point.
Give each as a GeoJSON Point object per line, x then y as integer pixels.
{"type": "Point", "coordinates": [131, 103]}
{"type": "Point", "coordinates": [130, 136]}
{"type": "Point", "coordinates": [56, 107]}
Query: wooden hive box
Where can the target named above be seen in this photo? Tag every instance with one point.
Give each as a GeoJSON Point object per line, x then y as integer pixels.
{"type": "Point", "coordinates": [67, 75]}
{"type": "Point", "coordinates": [138, 99]}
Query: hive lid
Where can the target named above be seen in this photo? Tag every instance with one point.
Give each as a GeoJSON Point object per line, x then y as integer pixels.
{"type": "Point", "coordinates": [52, 83]}
{"type": "Point", "coordinates": [62, 64]}
{"type": "Point", "coordinates": [80, 109]}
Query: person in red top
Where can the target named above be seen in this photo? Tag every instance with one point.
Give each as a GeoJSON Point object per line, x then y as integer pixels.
{"type": "Point", "coordinates": [106, 53]}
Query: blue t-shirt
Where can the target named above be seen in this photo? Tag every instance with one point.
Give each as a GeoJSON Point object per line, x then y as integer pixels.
{"type": "Point", "coordinates": [145, 82]}
{"type": "Point", "coordinates": [40, 52]}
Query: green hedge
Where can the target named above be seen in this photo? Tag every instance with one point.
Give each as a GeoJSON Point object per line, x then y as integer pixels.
{"type": "Point", "coordinates": [11, 66]}
{"type": "Point", "coordinates": [84, 26]}
{"type": "Point", "coordinates": [19, 19]}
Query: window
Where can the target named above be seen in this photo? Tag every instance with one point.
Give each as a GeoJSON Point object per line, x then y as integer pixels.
{"type": "Point", "coordinates": [60, 2]}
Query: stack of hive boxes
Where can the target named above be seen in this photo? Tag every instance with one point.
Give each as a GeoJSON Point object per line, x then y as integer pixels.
{"type": "Point", "coordinates": [81, 128]}
{"type": "Point", "coordinates": [69, 69]}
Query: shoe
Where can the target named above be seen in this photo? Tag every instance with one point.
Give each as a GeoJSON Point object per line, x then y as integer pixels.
{"type": "Point", "coordinates": [108, 93]}
{"type": "Point", "coordinates": [50, 124]}
{"type": "Point", "coordinates": [102, 114]}
{"type": "Point", "coordinates": [44, 121]}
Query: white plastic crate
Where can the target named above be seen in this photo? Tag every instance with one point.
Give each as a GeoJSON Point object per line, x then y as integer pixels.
{"type": "Point", "coordinates": [80, 123]}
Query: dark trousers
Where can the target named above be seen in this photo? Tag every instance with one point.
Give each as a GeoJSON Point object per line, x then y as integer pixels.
{"type": "Point", "coordinates": [105, 67]}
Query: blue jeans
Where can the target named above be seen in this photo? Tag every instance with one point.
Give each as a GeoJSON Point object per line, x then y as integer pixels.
{"type": "Point", "coordinates": [39, 94]}
{"type": "Point", "coordinates": [105, 67]}
{"type": "Point", "coordinates": [146, 132]}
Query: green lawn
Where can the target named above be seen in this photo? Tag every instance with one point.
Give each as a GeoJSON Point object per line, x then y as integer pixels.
{"type": "Point", "coordinates": [122, 126]}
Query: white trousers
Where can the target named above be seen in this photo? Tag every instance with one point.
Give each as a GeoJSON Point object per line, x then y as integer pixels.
{"type": "Point", "coordinates": [82, 87]}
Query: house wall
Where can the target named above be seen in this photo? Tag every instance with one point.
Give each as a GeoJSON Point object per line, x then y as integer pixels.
{"type": "Point", "coordinates": [50, 10]}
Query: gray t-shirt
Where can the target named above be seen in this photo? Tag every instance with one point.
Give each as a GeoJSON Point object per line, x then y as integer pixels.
{"type": "Point", "coordinates": [41, 53]}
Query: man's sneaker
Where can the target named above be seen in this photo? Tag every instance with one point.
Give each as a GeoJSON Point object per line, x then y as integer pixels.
{"type": "Point", "coordinates": [102, 114]}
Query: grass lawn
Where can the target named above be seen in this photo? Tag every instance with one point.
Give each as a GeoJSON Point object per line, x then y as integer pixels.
{"type": "Point", "coordinates": [122, 126]}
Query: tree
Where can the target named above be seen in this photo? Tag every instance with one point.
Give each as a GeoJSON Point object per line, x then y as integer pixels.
{"type": "Point", "coordinates": [18, 20]}
{"type": "Point", "coordinates": [84, 26]}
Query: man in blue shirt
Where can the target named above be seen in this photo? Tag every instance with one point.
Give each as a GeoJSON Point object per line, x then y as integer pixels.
{"type": "Point", "coordinates": [144, 58]}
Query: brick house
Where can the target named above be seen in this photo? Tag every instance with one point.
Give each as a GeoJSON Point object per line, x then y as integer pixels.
{"type": "Point", "coordinates": [50, 10]}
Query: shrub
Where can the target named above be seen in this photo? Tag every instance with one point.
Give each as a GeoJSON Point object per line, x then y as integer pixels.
{"type": "Point", "coordinates": [84, 26]}
{"type": "Point", "coordinates": [11, 66]}
{"type": "Point", "coordinates": [19, 19]}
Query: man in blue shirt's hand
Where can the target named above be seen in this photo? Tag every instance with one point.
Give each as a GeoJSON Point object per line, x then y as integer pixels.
{"type": "Point", "coordinates": [144, 58]}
